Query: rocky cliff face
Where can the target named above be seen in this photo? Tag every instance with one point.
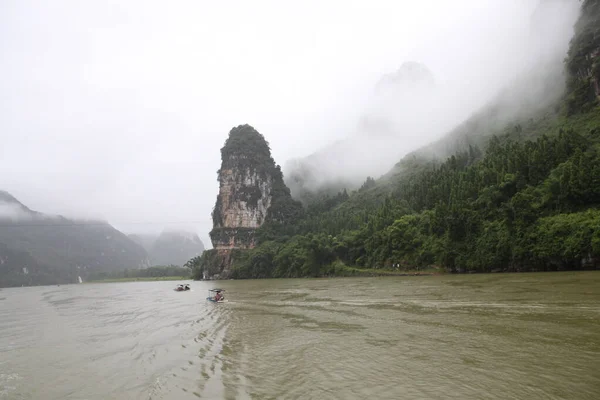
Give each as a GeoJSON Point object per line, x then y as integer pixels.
{"type": "Point", "coordinates": [251, 192]}
{"type": "Point", "coordinates": [245, 185]}
{"type": "Point", "coordinates": [242, 204]}
{"type": "Point", "coordinates": [583, 60]}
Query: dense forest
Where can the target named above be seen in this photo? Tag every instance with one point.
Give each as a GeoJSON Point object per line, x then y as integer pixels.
{"type": "Point", "coordinates": [525, 200]}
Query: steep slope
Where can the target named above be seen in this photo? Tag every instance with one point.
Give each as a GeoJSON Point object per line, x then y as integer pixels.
{"type": "Point", "coordinates": [146, 240]}
{"type": "Point", "coordinates": [583, 62]}
{"type": "Point", "coordinates": [502, 192]}
{"type": "Point", "coordinates": [20, 268]}
{"type": "Point", "coordinates": [251, 193]}
{"type": "Point", "coordinates": [175, 248]}
{"type": "Point", "coordinates": [409, 108]}
{"type": "Point", "coordinates": [170, 247]}
{"type": "Point", "coordinates": [399, 105]}
{"type": "Point", "coordinates": [62, 248]}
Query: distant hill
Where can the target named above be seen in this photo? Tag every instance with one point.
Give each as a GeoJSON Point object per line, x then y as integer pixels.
{"type": "Point", "coordinates": [146, 240]}
{"type": "Point", "coordinates": [400, 102]}
{"type": "Point", "coordinates": [410, 106]}
{"type": "Point", "coordinates": [515, 187]}
{"type": "Point", "coordinates": [55, 249]}
{"type": "Point", "coordinates": [170, 247]}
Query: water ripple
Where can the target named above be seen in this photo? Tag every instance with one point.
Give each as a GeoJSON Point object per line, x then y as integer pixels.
{"type": "Point", "coordinates": [484, 337]}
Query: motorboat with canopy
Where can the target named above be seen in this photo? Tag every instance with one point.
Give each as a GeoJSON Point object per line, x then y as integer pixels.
{"type": "Point", "coordinates": [216, 295]}
{"type": "Point", "coordinates": [182, 288]}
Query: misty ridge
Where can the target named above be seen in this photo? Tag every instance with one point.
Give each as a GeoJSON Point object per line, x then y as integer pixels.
{"type": "Point", "coordinates": [11, 210]}
{"type": "Point", "coordinates": [170, 247]}
{"type": "Point", "coordinates": [410, 110]}
{"type": "Point", "coordinates": [14, 212]}
{"type": "Point", "coordinates": [512, 186]}
{"type": "Point", "coordinates": [37, 248]}
{"type": "Point", "coordinates": [145, 118]}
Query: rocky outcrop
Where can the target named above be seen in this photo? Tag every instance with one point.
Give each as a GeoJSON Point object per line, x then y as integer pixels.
{"type": "Point", "coordinates": [583, 60]}
{"type": "Point", "coordinates": [251, 193]}
{"type": "Point", "coordinates": [242, 204]}
{"type": "Point", "coordinates": [245, 185]}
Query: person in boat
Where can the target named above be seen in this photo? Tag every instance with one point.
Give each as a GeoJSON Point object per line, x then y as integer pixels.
{"type": "Point", "coordinates": [218, 296]}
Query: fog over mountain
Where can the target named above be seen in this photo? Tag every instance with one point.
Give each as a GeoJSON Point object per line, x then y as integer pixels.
{"type": "Point", "coordinates": [117, 110]}
{"type": "Point", "coordinates": [39, 248]}
{"type": "Point", "coordinates": [171, 247]}
{"type": "Point", "coordinates": [410, 108]}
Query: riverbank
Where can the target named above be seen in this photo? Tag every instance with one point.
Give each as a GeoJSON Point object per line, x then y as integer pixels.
{"type": "Point", "coordinates": [141, 279]}
{"type": "Point", "coordinates": [346, 271]}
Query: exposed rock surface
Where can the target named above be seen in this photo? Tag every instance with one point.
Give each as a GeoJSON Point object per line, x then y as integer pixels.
{"type": "Point", "coordinates": [582, 60]}
{"type": "Point", "coordinates": [251, 192]}
{"type": "Point", "coordinates": [244, 198]}
{"type": "Point", "coordinates": [245, 184]}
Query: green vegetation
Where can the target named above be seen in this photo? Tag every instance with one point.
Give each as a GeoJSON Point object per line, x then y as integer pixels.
{"type": "Point", "coordinates": [211, 262]}
{"type": "Point", "coordinates": [523, 199]}
{"type": "Point", "coordinates": [247, 151]}
{"type": "Point", "coordinates": [57, 250]}
{"type": "Point", "coordinates": [246, 148]}
{"type": "Point", "coordinates": [520, 205]}
{"type": "Point", "coordinates": [581, 62]}
{"type": "Point", "coordinates": [13, 261]}
{"type": "Point", "coordinates": [170, 272]}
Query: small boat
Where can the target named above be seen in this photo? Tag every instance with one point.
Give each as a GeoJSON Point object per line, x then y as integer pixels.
{"type": "Point", "coordinates": [216, 295]}
{"type": "Point", "coordinates": [182, 288]}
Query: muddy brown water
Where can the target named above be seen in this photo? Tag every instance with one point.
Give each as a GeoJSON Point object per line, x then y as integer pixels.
{"type": "Point", "coordinates": [497, 336]}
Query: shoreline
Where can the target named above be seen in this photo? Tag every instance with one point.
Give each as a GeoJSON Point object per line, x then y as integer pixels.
{"type": "Point", "coordinates": [350, 272]}
{"type": "Point", "coordinates": [358, 274]}
{"type": "Point", "coordinates": [375, 273]}
{"type": "Point", "coordinates": [141, 279]}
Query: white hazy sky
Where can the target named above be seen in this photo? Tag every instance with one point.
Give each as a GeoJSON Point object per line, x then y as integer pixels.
{"type": "Point", "coordinates": [118, 109]}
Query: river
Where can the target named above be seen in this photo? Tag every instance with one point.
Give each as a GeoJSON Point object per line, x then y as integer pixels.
{"type": "Point", "coordinates": [496, 336]}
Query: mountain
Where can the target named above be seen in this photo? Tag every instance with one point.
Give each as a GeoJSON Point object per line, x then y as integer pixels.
{"type": "Point", "coordinates": [251, 193]}
{"type": "Point", "coordinates": [170, 247]}
{"type": "Point", "coordinates": [399, 105]}
{"type": "Point", "coordinates": [409, 109]}
{"type": "Point", "coordinates": [146, 240]}
{"type": "Point", "coordinates": [55, 249]}
{"type": "Point", "coordinates": [515, 187]}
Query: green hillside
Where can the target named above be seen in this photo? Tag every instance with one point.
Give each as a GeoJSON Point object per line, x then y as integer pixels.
{"type": "Point", "coordinates": [40, 249]}
{"type": "Point", "coordinates": [518, 196]}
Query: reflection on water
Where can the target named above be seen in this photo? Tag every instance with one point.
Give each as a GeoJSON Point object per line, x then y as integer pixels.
{"type": "Point", "coordinates": [522, 336]}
